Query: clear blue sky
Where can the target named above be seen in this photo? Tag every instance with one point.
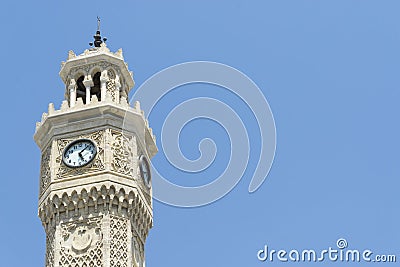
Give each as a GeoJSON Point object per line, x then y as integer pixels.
{"type": "Point", "coordinates": [329, 69]}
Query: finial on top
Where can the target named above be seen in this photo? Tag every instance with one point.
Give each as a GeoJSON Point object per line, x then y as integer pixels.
{"type": "Point", "coordinates": [98, 23]}
{"type": "Point", "coordinates": [97, 37]}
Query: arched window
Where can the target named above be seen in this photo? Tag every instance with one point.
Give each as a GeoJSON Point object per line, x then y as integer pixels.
{"type": "Point", "coordinates": [96, 88]}
{"type": "Point", "coordinates": [80, 89]}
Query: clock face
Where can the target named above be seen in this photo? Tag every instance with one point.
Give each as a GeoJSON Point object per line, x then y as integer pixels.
{"type": "Point", "coordinates": [145, 170]}
{"type": "Point", "coordinates": [79, 153]}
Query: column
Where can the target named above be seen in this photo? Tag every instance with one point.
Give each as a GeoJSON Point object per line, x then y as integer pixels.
{"type": "Point", "coordinates": [72, 93]}
{"type": "Point", "coordinates": [117, 88]}
{"type": "Point", "coordinates": [103, 84]}
{"type": "Point", "coordinates": [88, 82]}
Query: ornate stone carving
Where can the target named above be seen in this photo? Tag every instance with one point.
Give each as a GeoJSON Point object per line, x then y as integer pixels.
{"type": "Point", "coordinates": [82, 243]}
{"type": "Point", "coordinates": [111, 74]}
{"type": "Point", "coordinates": [102, 65]}
{"type": "Point", "coordinates": [123, 147]}
{"type": "Point", "coordinates": [147, 196]}
{"type": "Point", "coordinates": [45, 171]}
{"type": "Point", "coordinates": [110, 85]}
{"type": "Point", "coordinates": [50, 246]}
{"type": "Point", "coordinates": [119, 241]}
{"type": "Point", "coordinates": [97, 201]}
{"type": "Point", "coordinates": [96, 165]}
{"type": "Point", "coordinates": [99, 66]}
{"type": "Point", "coordinates": [137, 251]}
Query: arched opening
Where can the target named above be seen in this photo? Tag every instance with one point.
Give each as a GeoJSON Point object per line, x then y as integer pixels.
{"type": "Point", "coordinates": [80, 89]}
{"type": "Point", "coordinates": [96, 88]}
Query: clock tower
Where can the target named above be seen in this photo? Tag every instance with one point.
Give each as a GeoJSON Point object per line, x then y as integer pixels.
{"type": "Point", "coordinates": [95, 195]}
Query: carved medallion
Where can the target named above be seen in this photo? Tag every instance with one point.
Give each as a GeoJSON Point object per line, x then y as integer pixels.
{"type": "Point", "coordinates": [82, 243]}
{"type": "Point", "coordinates": [82, 238]}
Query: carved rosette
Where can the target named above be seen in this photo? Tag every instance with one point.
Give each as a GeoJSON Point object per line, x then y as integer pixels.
{"type": "Point", "coordinates": [123, 149]}
{"type": "Point", "coordinates": [45, 171]}
{"type": "Point", "coordinates": [96, 165]}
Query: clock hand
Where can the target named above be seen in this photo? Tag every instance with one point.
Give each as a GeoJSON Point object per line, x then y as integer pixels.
{"type": "Point", "coordinates": [84, 149]}
{"type": "Point", "coordinates": [80, 153]}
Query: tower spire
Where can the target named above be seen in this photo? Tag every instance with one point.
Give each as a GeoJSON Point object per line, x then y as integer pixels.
{"type": "Point", "coordinates": [97, 37]}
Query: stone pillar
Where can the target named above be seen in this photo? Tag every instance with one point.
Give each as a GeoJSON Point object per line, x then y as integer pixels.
{"type": "Point", "coordinates": [88, 82]}
{"type": "Point", "coordinates": [117, 88]}
{"type": "Point", "coordinates": [103, 84]}
{"type": "Point", "coordinates": [72, 93]}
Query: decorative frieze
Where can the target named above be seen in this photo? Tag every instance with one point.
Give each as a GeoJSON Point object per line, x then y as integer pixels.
{"type": "Point", "coordinates": [96, 201]}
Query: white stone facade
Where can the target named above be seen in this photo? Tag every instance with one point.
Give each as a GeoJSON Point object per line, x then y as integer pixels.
{"type": "Point", "coordinates": [98, 214]}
